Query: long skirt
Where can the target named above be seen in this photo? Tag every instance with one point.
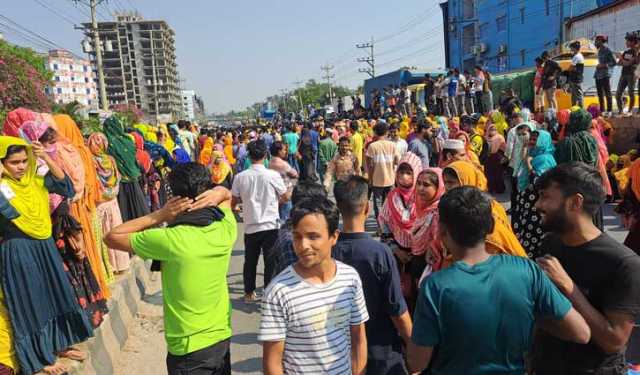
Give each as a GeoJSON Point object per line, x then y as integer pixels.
{"type": "Point", "coordinates": [7, 353]}
{"type": "Point", "coordinates": [495, 173]}
{"type": "Point", "coordinates": [527, 223]}
{"type": "Point", "coordinates": [45, 315]}
{"type": "Point", "coordinates": [132, 201]}
{"type": "Point", "coordinates": [78, 270]}
{"type": "Point", "coordinates": [110, 217]}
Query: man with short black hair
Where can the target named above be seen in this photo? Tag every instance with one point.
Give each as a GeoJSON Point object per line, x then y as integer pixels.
{"type": "Point", "coordinates": [550, 72]}
{"type": "Point", "coordinates": [421, 144]}
{"type": "Point", "coordinates": [382, 159]}
{"type": "Point", "coordinates": [576, 73]}
{"type": "Point", "coordinates": [390, 322]}
{"type": "Point", "coordinates": [194, 250]}
{"type": "Point", "coordinates": [629, 61]}
{"type": "Point", "coordinates": [401, 144]}
{"type": "Point", "coordinates": [260, 190]}
{"type": "Point", "coordinates": [313, 313]}
{"type": "Point", "coordinates": [599, 275]}
{"type": "Point", "coordinates": [479, 312]}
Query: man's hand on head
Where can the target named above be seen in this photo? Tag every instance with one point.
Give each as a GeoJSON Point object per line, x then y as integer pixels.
{"type": "Point", "coordinates": [174, 207]}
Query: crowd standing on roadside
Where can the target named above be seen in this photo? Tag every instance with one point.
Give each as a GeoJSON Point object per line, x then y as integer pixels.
{"type": "Point", "coordinates": [449, 281]}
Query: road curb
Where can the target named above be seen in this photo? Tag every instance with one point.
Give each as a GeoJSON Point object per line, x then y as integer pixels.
{"type": "Point", "coordinates": [106, 345]}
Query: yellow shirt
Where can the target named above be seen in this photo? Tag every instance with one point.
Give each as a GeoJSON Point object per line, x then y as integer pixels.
{"type": "Point", "coordinates": [357, 146]}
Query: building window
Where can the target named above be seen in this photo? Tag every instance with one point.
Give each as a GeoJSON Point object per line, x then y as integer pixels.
{"type": "Point", "coordinates": [501, 23]}
{"type": "Point", "coordinates": [468, 38]}
{"type": "Point", "coordinates": [55, 66]}
{"type": "Point", "coordinates": [88, 91]}
{"type": "Point", "coordinates": [522, 15]}
{"type": "Point", "coordinates": [468, 9]}
{"type": "Point", "coordinates": [70, 67]}
{"type": "Point", "coordinates": [502, 63]}
{"type": "Point", "coordinates": [85, 69]}
{"type": "Point", "coordinates": [523, 54]}
{"type": "Point", "coordinates": [57, 78]}
{"type": "Point", "coordinates": [484, 30]}
{"type": "Point", "coordinates": [546, 7]}
{"type": "Point", "coordinates": [86, 80]}
{"type": "Point", "coordinates": [59, 90]}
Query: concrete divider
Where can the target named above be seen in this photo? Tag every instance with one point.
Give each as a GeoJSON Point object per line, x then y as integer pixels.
{"type": "Point", "coordinates": [102, 349]}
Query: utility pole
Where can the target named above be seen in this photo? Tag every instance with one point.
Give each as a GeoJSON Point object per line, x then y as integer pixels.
{"type": "Point", "coordinates": [326, 69]}
{"type": "Point", "coordinates": [370, 60]}
{"type": "Point", "coordinates": [298, 85]}
{"type": "Point", "coordinates": [93, 4]}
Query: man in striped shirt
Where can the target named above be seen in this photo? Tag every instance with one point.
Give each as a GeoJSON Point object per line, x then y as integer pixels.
{"type": "Point", "coordinates": [313, 313]}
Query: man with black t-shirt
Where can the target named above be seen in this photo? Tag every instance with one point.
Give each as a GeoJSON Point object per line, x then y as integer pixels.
{"type": "Point", "coordinates": [550, 72]}
{"type": "Point", "coordinates": [629, 62]}
{"type": "Point", "coordinates": [600, 276]}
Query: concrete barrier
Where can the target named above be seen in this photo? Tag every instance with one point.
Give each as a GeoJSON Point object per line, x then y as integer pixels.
{"type": "Point", "coordinates": [626, 135]}
{"type": "Point", "coordinates": [106, 345]}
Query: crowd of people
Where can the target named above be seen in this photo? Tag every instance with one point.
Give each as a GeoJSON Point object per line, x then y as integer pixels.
{"type": "Point", "coordinates": [450, 282]}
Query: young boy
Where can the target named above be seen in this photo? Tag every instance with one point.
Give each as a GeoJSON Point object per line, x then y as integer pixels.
{"type": "Point", "coordinates": [309, 309]}
{"type": "Point", "coordinates": [343, 165]}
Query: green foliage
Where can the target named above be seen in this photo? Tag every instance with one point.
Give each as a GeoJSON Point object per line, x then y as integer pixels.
{"type": "Point", "coordinates": [72, 109]}
{"type": "Point", "coordinates": [90, 126]}
{"type": "Point", "coordinates": [29, 56]}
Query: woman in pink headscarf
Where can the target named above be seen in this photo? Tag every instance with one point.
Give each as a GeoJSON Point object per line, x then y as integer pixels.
{"type": "Point", "coordinates": [603, 157]}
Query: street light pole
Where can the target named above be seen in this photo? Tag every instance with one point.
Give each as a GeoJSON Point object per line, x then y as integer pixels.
{"type": "Point", "coordinates": [96, 42]}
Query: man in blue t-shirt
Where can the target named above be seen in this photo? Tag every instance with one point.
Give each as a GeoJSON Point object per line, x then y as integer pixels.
{"type": "Point", "coordinates": [480, 312]}
{"type": "Point", "coordinates": [389, 320]}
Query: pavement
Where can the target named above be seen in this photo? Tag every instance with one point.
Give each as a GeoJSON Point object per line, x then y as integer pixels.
{"type": "Point", "coordinates": [145, 350]}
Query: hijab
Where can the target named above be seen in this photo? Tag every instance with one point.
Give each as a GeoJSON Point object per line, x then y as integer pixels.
{"type": "Point", "coordinates": [122, 148]}
{"type": "Point", "coordinates": [143, 158]}
{"type": "Point", "coordinates": [220, 171]}
{"type": "Point", "coordinates": [469, 175]}
{"type": "Point", "coordinates": [579, 144]}
{"type": "Point", "coordinates": [181, 156]}
{"type": "Point", "coordinates": [168, 144]}
{"type": "Point", "coordinates": [205, 154]}
{"type": "Point", "coordinates": [425, 228]}
{"type": "Point", "coordinates": [31, 198]}
{"type": "Point", "coordinates": [541, 159]}
{"type": "Point", "coordinates": [603, 156]}
{"type": "Point", "coordinates": [399, 209]}
{"type": "Point", "coordinates": [108, 176]}
{"type": "Point", "coordinates": [497, 118]}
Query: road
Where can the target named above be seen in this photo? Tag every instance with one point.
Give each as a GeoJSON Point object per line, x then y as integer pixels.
{"type": "Point", "coordinates": [145, 351]}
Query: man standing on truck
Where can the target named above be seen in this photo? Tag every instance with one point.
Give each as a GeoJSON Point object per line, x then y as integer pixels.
{"type": "Point", "coordinates": [629, 62]}
{"type": "Point", "coordinates": [549, 79]}
{"type": "Point", "coordinates": [576, 73]}
{"type": "Point", "coordinates": [538, 101]}
{"type": "Point", "coordinates": [606, 61]}
{"type": "Point", "coordinates": [429, 94]}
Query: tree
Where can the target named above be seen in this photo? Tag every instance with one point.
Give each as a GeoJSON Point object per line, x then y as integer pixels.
{"type": "Point", "coordinates": [23, 78]}
{"type": "Point", "coordinates": [130, 113]}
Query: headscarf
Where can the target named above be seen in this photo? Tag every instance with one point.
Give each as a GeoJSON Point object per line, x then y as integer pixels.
{"type": "Point", "coordinates": [228, 150]}
{"type": "Point", "coordinates": [469, 175]}
{"type": "Point", "coordinates": [495, 141]}
{"type": "Point", "coordinates": [541, 159]}
{"type": "Point", "coordinates": [399, 210]}
{"type": "Point", "coordinates": [31, 199]}
{"type": "Point", "coordinates": [68, 129]}
{"type": "Point", "coordinates": [62, 153]}
{"type": "Point", "coordinates": [634, 176]}
{"type": "Point", "coordinates": [122, 148]}
{"type": "Point", "coordinates": [181, 155]}
{"type": "Point", "coordinates": [603, 156]}
{"type": "Point", "coordinates": [468, 146]}
{"type": "Point", "coordinates": [497, 118]}
{"type": "Point", "coordinates": [15, 119]}
{"type": "Point", "coordinates": [143, 158]}
{"type": "Point", "coordinates": [425, 228]}
{"type": "Point", "coordinates": [622, 174]}
{"type": "Point", "coordinates": [168, 144]}
{"type": "Point", "coordinates": [205, 154]}
{"type": "Point", "coordinates": [108, 176]}
{"type": "Point", "coordinates": [594, 110]}
{"type": "Point", "coordinates": [613, 158]}
{"type": "Point", "coordinates": [220, 171]}
{"type": "Point", "coordinates": [579, 144]}
{"type": "Point", "coordinates": [563, 121]}
{"type": "Point", "coordinates": [454, 126]}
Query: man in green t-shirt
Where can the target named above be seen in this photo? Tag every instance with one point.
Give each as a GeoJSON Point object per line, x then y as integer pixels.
{"type": "Point", "coordinates": [194, 250]}
{"type": "Point", "coordinates": [480, 312]}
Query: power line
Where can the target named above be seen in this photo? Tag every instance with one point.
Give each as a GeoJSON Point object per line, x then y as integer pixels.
{"type": "Point", "coordinates": [35, 35]}
{"type": "Point", "coordinates": [56, 12]}
{"type": "Point", "coordinates": [25, 37]}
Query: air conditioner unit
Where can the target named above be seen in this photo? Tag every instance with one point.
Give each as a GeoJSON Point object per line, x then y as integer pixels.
{"type": "Point", "coordinates": [482, 47]}
{"type": "Point", "coordinates": [474, 50]}
{"type": "Point", "coordinates": [502, 48]}
{"type": "Point", "coordinates": [452, 27]}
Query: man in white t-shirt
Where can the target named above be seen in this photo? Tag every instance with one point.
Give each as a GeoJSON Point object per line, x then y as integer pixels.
{"type": "Point", "coordinates": [462, 85]}
{"type": "Point", "coordinates": [401, 145]}
{"type": "Point", "coordinates": [576, 72]}
{"type": "Point", "coordinates": [260, 190]}
{"type": "Point", "coordinates": [313, 312]}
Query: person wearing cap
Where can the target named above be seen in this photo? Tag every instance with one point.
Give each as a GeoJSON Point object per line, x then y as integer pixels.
{"type": "Point", "coordinates": [629, 62]}
{"type": "Point", "coordinates": [550, 72]}
{"type": "Point", "coordinates": [602, 75]}
{"type": "Point", "coordinates": [576, 73]}
{"type": "Point", "coordinates": [453, 150]}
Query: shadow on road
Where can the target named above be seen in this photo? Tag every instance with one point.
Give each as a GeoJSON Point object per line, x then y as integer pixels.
{"type": "Point", "coordinates": [251, 365]}
{"type": "Point", "coordinates": [248, 308]}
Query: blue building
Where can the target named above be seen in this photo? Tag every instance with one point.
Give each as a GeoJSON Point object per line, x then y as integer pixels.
{"type": "Point", "coordinates": [506, 35]}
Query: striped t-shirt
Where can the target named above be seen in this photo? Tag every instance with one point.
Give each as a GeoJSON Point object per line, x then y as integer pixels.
{"type": "Point", "coordinates": [313, 320]}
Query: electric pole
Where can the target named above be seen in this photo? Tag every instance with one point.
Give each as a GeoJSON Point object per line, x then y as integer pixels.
{"type": "Point", "coordinates": [299, 96]}
{"type": "Point", "coordinates": [326, 69]}
{"type": "Point", "coordinates": [370, 60]}
{"type": "Point", "coordinates": [93, 4]}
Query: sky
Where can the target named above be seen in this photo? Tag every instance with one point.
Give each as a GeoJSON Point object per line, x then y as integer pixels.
{"type": "Point", "coordinates": [235, 53]}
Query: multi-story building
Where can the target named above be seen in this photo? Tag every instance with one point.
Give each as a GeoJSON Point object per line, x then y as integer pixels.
{"type": "Point", "coordinates": [141, 66]}
{"type": "Point", "coordinates": [188, 104]}
{"type": "Point", "coordinates": [506, 35]}
{"type": "Point", "coordinates": [192, 105]}
{"type": "Point", "coordinates": [73, 79]}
